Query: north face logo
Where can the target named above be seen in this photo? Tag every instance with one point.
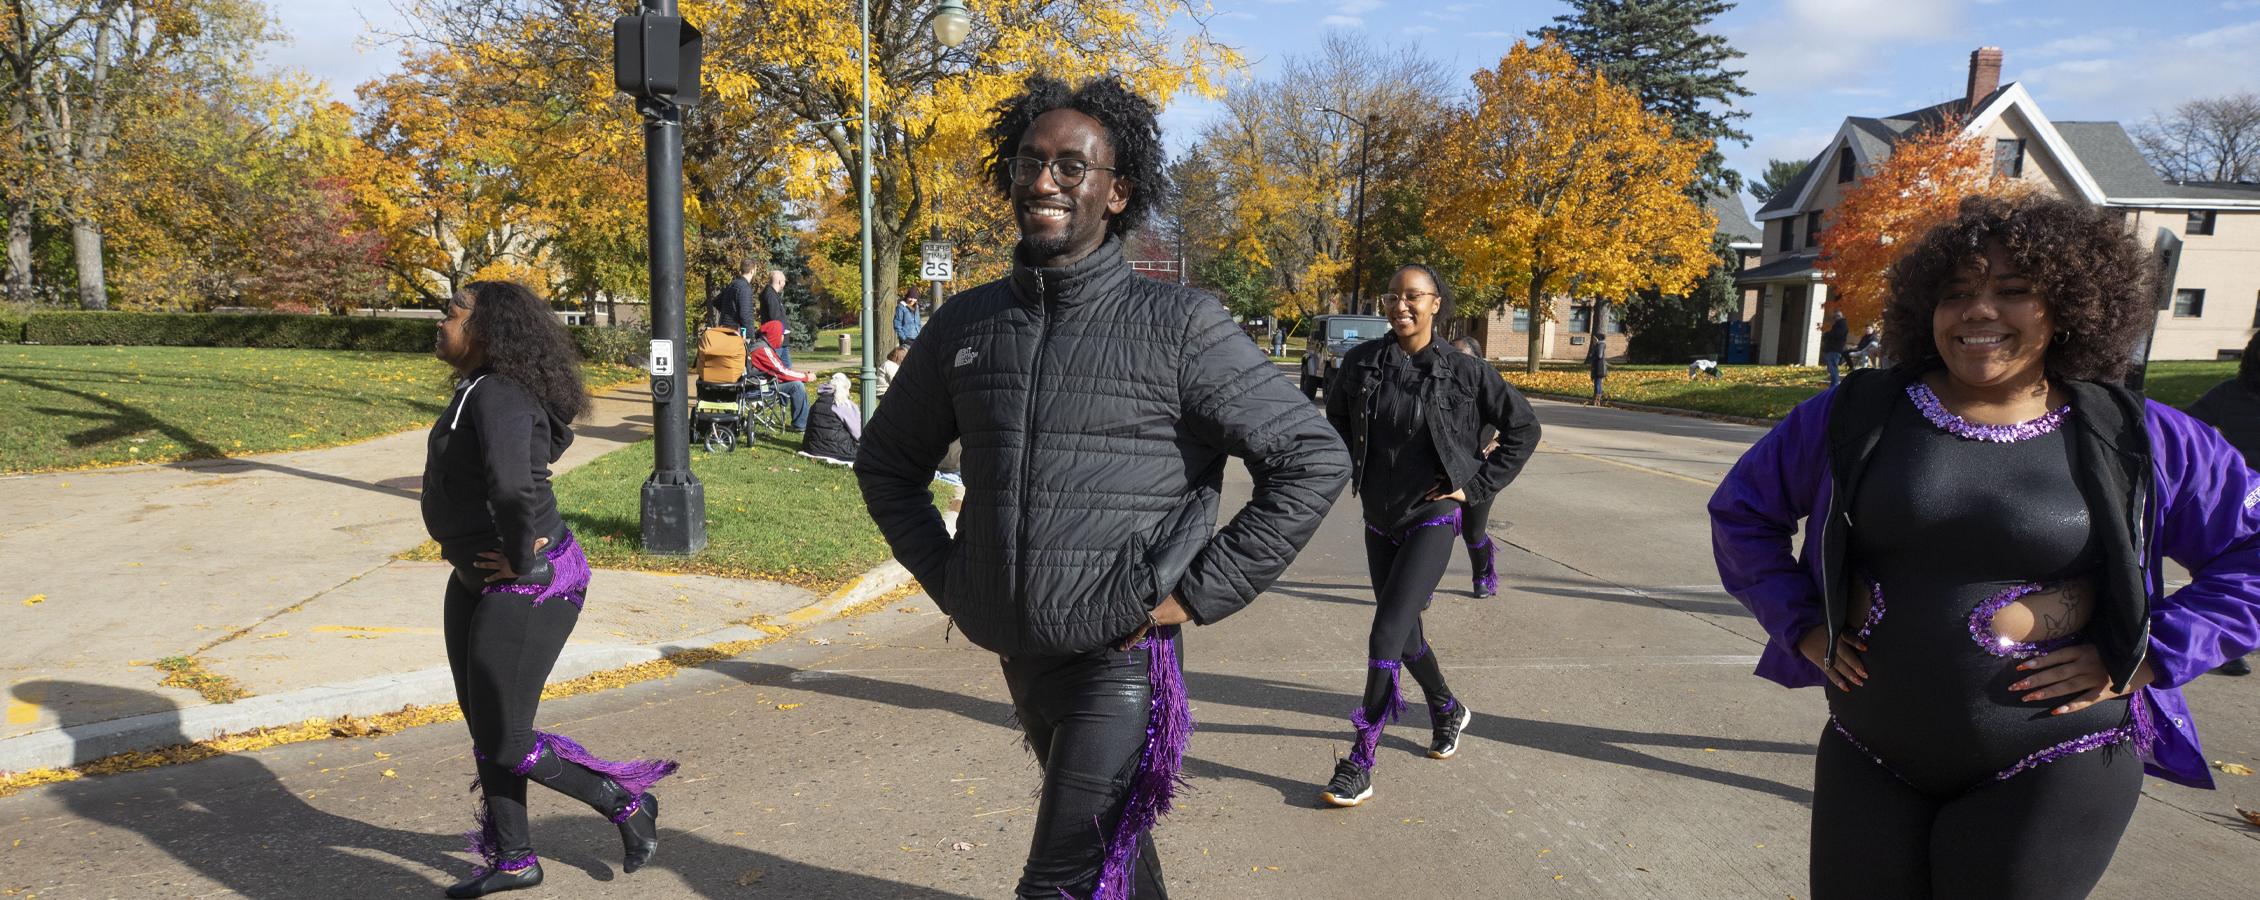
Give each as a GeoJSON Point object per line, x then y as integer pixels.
{"type": "Point", "coordinates": [964, 355]}
{"type": "Point", "coordinates": [2252, 499]}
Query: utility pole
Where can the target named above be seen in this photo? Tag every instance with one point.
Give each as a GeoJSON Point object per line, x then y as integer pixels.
{"type": "Point", "coordinates": [656, 59]}
{"type": "Point", "coordinates": [1357, 244]}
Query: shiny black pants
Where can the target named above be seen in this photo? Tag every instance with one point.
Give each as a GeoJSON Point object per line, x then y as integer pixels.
{"type": "Point", "coordinates": [500, 648]}
{"type": "Point", "coordinates": [2043, 834]}
{"type": "Point", "coordinates": [1085, 718]}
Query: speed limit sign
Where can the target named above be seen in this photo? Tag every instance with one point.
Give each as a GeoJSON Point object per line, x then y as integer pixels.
{"type": "Point", "coordinates": [936, 262]}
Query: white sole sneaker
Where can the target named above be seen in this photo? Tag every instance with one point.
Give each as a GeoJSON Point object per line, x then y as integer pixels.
{"type": "Point", "coordinates": [1465, 716]}
{"type": "Point", "coordinates": [1339, 800]}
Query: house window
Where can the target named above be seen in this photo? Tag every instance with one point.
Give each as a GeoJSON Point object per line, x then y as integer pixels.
{"type": "Point", "coordinates": [1844, 165]}
{"type": "Point", "coordinates": [2008, 158]}
{"type": "Point", "coordinates": [1812, 228]}
{"type": "Point", "coordinates": [2200, 222]}
{"type": "Point", "coordinates": [1581, 318]}
{"type": "Point", "coordinates": [1521, 319]}
{"type": "Point", "coordinates": [2189, 304]}
{"type": "Point", "coordinates": [1787, 226]}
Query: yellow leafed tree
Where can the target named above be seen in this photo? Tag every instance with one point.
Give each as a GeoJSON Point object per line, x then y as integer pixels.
{"type": "Point", "coordinates": [1555, 181]}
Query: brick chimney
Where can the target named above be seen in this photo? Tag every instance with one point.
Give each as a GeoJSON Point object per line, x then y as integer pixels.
{"type": "Point", "coordinates": [1985, 76]}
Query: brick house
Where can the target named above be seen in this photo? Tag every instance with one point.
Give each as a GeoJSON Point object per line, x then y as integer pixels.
{"type": "Point", "coordinates": [1505, 333]}
{"type": "Point", "coordinates": [2214, 302]}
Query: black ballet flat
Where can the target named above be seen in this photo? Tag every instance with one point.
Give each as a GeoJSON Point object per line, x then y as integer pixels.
{"type": "Point", "coordinates": [497, 880]}
{"type": "Point", "coordinates": [639, 835]}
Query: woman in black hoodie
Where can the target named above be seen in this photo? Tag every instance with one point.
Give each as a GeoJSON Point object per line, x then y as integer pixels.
{"type": "Point", "coordinates": [519, 578]}
{"type": "Point", "coordinates": [1413, 411]}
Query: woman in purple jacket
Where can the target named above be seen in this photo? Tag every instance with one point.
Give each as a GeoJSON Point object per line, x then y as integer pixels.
{"type": "Point", "coordinates": [1980, 584]}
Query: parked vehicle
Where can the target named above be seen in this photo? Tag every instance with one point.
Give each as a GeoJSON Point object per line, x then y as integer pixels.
{"type": "Point", "coordinates": [1330, 337]}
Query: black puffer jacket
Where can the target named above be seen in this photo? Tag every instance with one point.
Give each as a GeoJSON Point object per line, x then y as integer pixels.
{"type": "Point", "coordinates": [1097, 409]}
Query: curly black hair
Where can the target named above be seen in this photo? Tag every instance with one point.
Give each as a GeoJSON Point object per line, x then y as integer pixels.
{"type": "Point", "coordinates": [2248, 368]}
{"type": "Point", "coordinates": [1133, 129]}
{"type": "Point", "coordinates": [525, 343]}
{"type": "Point", "coordinates": [2081, 259]}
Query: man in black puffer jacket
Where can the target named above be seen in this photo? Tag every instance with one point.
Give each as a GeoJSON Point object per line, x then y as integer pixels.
{"type": "Point", "coordinates": [1098, 410]}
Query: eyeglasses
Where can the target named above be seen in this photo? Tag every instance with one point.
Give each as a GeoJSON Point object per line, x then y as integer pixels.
{"type": "Point", "coordinates": [1066, 173]}
{"type": "Point", "coordinates": [1407, 297]}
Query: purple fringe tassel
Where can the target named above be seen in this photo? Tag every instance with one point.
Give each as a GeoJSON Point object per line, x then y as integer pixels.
{"type": "Point", "coordinates": [1169, 730]}
{"type": "Point", "coordinates": [634, 776]}
{"type": "Point", "coordinates": [1368, 725]}
{"type": "Point", "coordinates": [480, 841]}
{"type": "Point", "coordinates": [570, 579]}
{"type": "Point", "coordinates": [1487, 571]}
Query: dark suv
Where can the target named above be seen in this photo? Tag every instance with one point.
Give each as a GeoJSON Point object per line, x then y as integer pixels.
{"type": "Point", "coordinates": [1330, 337]}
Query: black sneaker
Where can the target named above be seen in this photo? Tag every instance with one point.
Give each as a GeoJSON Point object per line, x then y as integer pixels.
{"type": "Point", "coordinates": [1351, 786]}
{"type": "Point", "coordinates": [1448, 728]}
{"type": "Point", "coordinates": [2236, 667]}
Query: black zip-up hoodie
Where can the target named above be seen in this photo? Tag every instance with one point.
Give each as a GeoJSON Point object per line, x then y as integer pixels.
{"type": "Point", "coordinates": [486, 476]}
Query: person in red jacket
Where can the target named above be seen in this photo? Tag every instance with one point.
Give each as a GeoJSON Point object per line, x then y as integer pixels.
{"type": "Point", "coordinates": [763, 358]}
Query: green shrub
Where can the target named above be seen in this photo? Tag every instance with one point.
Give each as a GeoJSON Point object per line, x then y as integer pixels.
{"type": "Point", "coordinates": [271, 331]}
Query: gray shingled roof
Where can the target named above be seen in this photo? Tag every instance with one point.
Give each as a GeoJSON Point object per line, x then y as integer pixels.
{"type": "Point", "coordinates": [1733, 222]}
{"type": "Point", "coordinates": [1785, 267]}
{"type": "Point", "coordinates": [2109, 155]}
{"type": "Point", "coordinates": [1875, 135]}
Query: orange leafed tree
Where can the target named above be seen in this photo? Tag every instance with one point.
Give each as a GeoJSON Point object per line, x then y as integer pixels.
{"type": "Point", "coordinates": [1919, 185]}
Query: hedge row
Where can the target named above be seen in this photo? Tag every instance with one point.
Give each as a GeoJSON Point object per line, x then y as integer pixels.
{"type": "Point", "coordinates": [597, 344]}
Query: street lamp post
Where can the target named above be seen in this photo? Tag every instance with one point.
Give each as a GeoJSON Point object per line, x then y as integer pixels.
{"type": "Point", "coordinates": [1357, 245]}
{"type": "Point", "coordinates": [951, 22]}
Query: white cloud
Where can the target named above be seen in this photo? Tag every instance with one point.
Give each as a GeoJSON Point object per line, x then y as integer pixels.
{"type": "Point", "coordinates": [2152, 74]}
{"type": "Point", "coordinates": [1817, 42]}
{"type": "Point", "coordinates": [1235, 14]}
{"type": "Point", "coordinates": [2236, 5]}
{"type": "Point", "coordinates": [2083, 44]}
{"type": "Point", "coordinates": [1343, 22]}
{"type": "Point", "coordinates": [1420, 29]}
{"type": "Point", "coordinates": [1493, 35]}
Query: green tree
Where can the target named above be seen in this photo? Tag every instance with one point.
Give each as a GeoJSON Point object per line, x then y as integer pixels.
{"type": "Point", "coordinates": [1660, 50]}
{"type": "Point", "coordinates": [1778, 174]}
{"type": "Point", "coordinates": [1679, 328]}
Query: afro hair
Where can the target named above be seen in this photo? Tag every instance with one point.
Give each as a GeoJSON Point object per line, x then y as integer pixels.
{"type": "Point", "coordinates": [1132, 129]}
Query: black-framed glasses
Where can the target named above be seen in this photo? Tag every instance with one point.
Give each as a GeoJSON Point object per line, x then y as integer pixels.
{"type": "Point", "coordinates": [1066, 173]}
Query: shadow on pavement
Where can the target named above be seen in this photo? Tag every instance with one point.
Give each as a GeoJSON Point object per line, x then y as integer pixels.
{"type": "Point", "coordinates": [230, 820]}
{"type": "Point", "coordinates": [1676, 602]}
{"type": "Point", "coordinates": [233, 822]}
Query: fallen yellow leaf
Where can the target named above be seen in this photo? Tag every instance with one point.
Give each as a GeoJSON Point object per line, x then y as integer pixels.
{"type": "Point", "coordinates": [2249, 816]}
{"type": "Point", "coordinates": [35, 599]}
{"type": "Point", "coordinates": [388, 773]}
{"type": "Point", "coordinates": [2232, 768]}
{"type": "Point", "coordinates": [788, 706]}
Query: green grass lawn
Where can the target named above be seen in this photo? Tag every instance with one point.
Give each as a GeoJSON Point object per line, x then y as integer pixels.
{"type": "Point", "coordinates": [1768, 392]}
{"type": "Point", "coordinates": [82, 407]}
{"type": "Point", "coordinates": [770, 515]}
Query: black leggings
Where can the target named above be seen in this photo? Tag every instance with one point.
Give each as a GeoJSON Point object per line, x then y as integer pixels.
{"type": "Point", "coordinates": [500, 648]}
{"type": "Point", "coordinates": [2046, 833]}
{"type": "Point", "coordinates": [1405, 567]}
{"type": "Point", "coordinates": [1085, 717]}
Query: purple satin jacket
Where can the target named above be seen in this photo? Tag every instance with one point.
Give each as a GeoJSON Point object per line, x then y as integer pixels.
{"type": "Point", "coordinates": [2205, 516]}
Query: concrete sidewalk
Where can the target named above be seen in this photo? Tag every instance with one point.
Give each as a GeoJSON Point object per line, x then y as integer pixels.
{"type": "Point", "coordinates": [278, 571]}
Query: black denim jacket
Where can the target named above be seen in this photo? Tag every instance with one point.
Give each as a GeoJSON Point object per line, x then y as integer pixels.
{"type": "Point", "coordinates": [1463, 394]}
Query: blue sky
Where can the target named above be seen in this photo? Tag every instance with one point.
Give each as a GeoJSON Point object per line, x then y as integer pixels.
{"type": "Point", "coordinates": [1811, 62]}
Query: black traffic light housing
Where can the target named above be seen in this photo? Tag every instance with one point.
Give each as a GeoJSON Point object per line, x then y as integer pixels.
{"type": "Point", "coordinates": [656, 58]}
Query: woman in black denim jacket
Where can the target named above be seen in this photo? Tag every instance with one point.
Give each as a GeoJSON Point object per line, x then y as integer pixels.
{"type": "Point", "coordinates": [1413, 412]}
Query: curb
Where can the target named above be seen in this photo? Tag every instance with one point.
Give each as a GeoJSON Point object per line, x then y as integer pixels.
{"type": "Point", "coordinates": [56, 748]}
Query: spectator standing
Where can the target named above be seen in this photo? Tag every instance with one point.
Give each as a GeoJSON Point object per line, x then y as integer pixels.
{"type": "Point", "coordinates": [1833, 336]}
{"type": "Point", "coordinates": [773, 310]}
{"type": "Point", "coordinates": [733, 304]}
{"type": "Point", "coordinates": [906, 317]}
{"type": "Point", "coordinates": [1597, 362]}
{"type": "Point", "coordinates": [2233, 408]}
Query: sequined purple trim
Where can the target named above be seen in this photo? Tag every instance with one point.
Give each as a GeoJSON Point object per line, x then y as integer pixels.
{"type": "Point", "coordinates": [1981, 628]}
{"type": "Point", "coordinates": [1927, 402]}
{"type": "Point", "coordinates": [520, 864]}
{"type": "Point", "coordinates": [569, 576]}
{"type": "Point", "coordinates": [525, 766]}
{"type": "Point", "coordinates": [1367, 724]}
{"type": "Point", "coordinates": [1417, 654]}
{"type": "Point", "coordinates": [1875, 612]}
{"type": "Point", "coordinates": [1451, 518]}
{"type": "Point", "coordinates": [634, 776]}
{"type": "Point", "coordinates": [1438, 713]}
{"type": "Point", "coordinates": [2080, 744]}
{"type": "Point", "coordinates": [481, 842]}
{"type": "Point", "coordinates": [1487, 571]}
{"type": "Point", "coordinates": [1160, 773]}
{"type": "Point", "coordinates": [627, 812]}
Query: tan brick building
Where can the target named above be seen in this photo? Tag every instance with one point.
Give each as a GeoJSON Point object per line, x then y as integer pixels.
{"type": "Point", "coordinates": [2211, 308]}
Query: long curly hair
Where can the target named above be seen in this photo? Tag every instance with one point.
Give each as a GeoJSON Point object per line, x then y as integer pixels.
{"type": "Point", "coordinates": [525, 343]}
{"type": "Point", "coordinates": [2081, 260]}
{"type": "Point", "coordinates": [1133, 129]}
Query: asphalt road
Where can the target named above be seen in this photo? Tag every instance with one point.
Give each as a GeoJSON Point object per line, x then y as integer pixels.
{"type": "Point", "coordinates": [1620, 748]}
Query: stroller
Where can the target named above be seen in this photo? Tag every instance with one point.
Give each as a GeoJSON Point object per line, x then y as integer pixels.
{"type": "Point", "coordinates": [734, 404]}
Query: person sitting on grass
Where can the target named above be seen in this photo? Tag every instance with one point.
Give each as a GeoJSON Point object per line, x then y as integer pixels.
{"type": "Point", "coordinates": [835, 425]}
{"type": "Point", "coordinates": [789, 380]}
